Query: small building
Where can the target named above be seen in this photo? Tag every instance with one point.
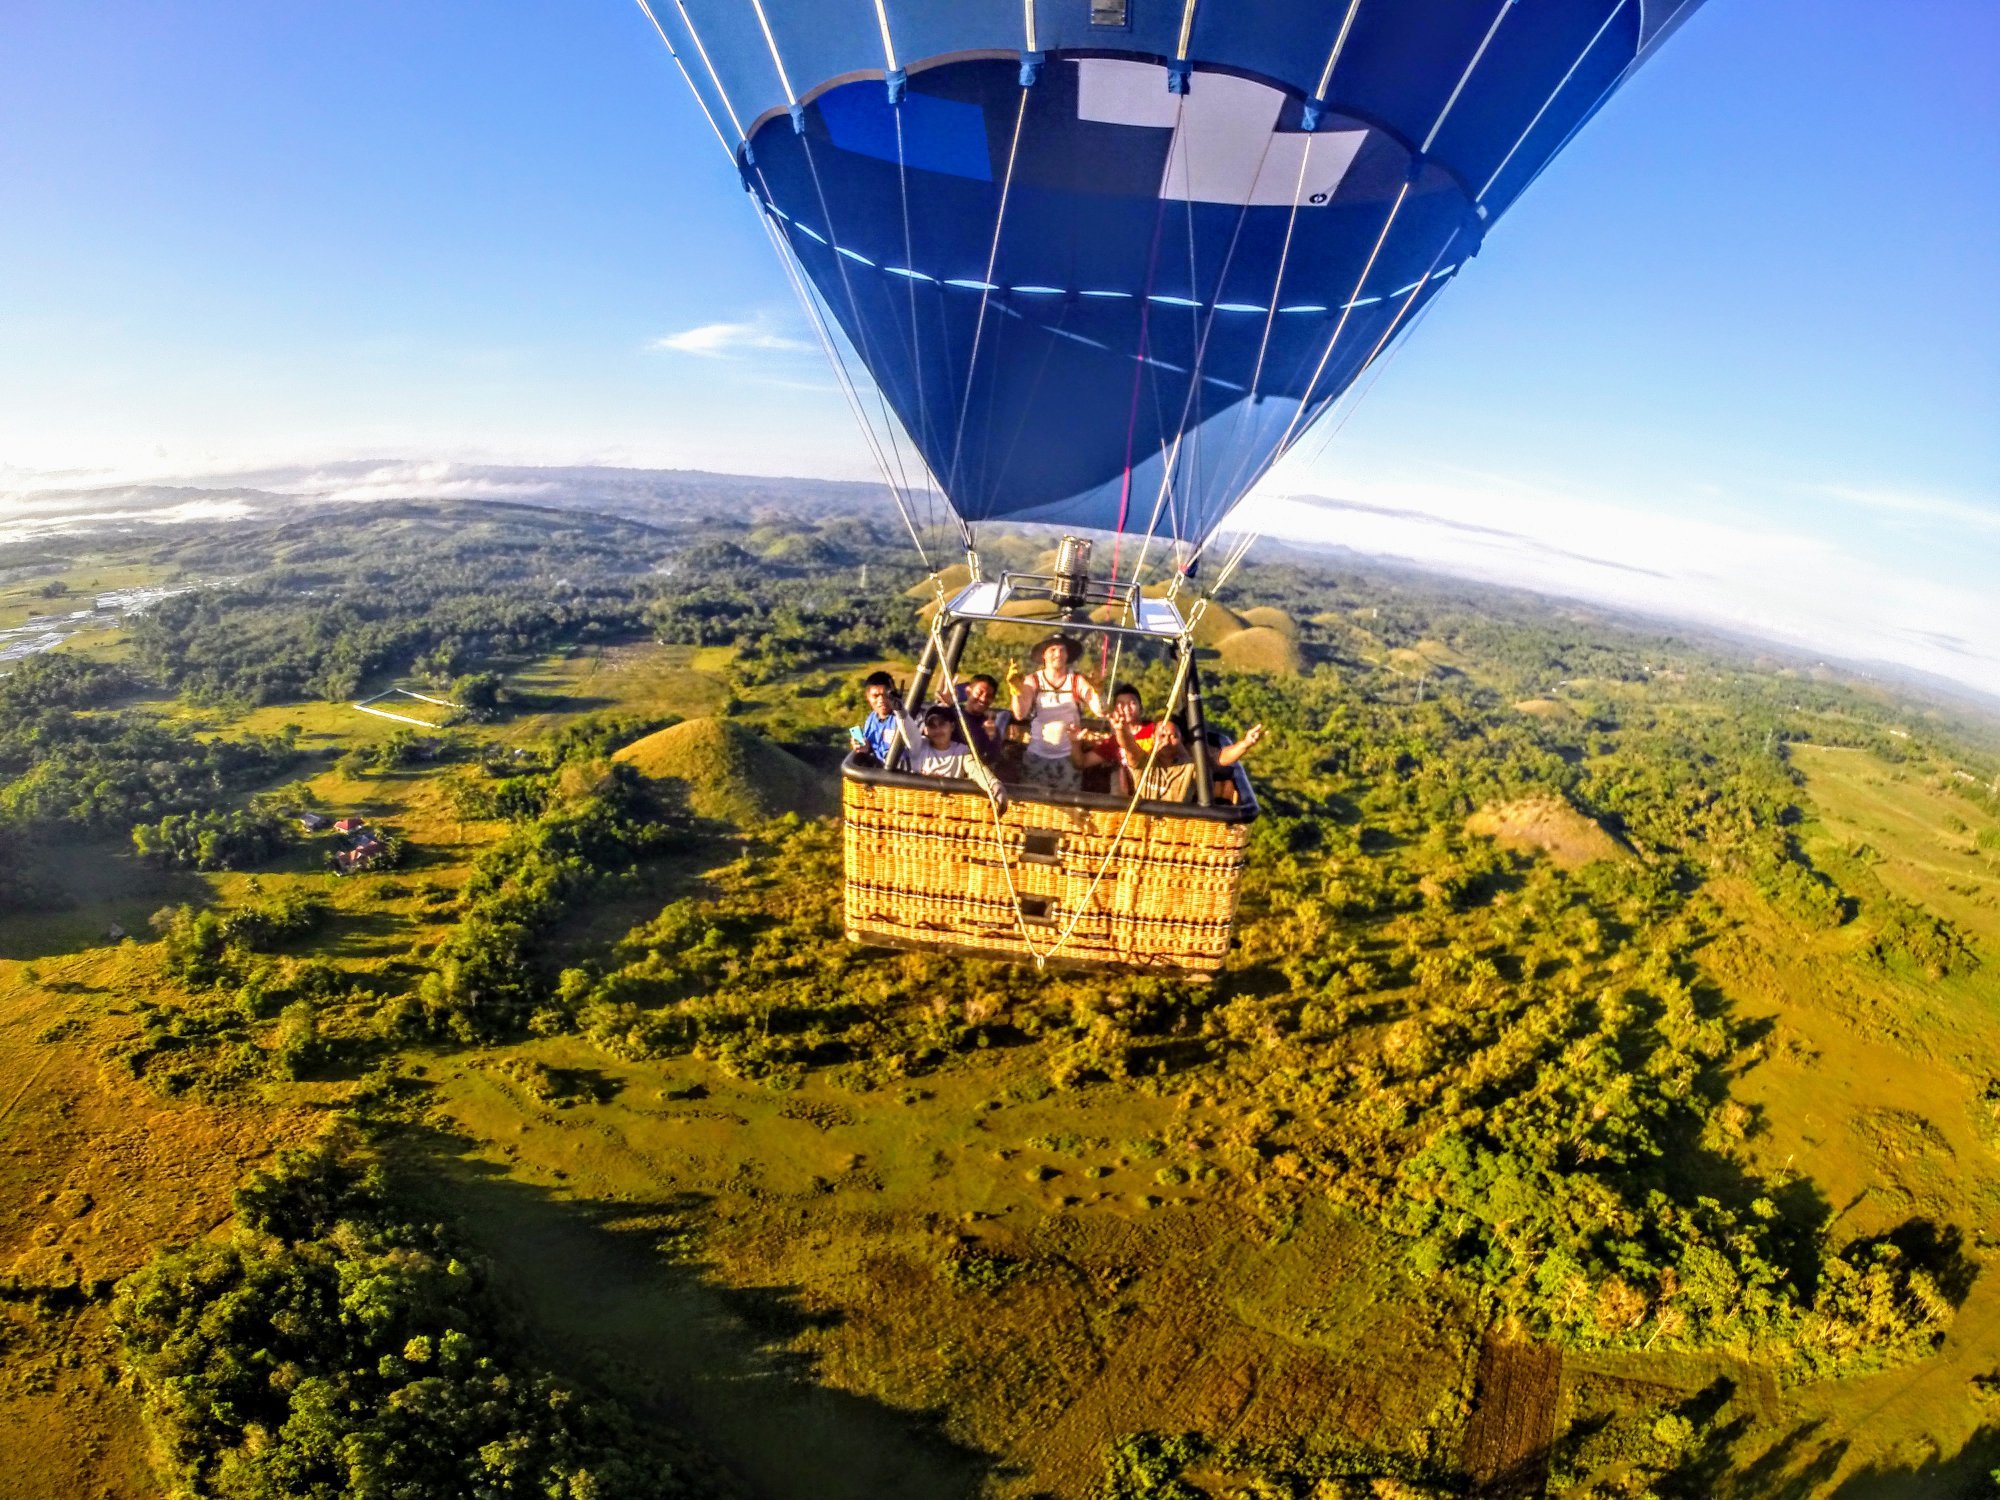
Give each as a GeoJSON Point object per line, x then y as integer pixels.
{"type": "Point", "coordinates": [366, 851]}
{"type": "Point", "coordinates": [313, 822]}
{"type": "Point", "coordinates": [350, 825]}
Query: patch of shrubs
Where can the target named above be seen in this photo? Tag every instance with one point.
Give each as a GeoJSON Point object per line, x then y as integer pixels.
{"type": "Point", "coordinates": [330, 1347]}
{"type": "Point", "coordinates": [486, 977]}
{"type": "Point", "coordinates": [1154, 1466]}
{"type": "Point", "coordinates": [970, 1268]}
{"type": "Point", "coordinates": [233, 840]}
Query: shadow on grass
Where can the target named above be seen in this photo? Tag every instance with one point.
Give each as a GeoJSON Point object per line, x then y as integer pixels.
{"type": "Point", "coordinates": [603, 1292]}
{"type": "Point", "coordinates": [1966, 1473]}
{"type": "Point", "coordinates": [1801, 1466]}
{"type": "Point", "coordinates": [83, 890]}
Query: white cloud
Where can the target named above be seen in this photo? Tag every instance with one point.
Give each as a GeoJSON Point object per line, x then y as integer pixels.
{"type": "Point", "coordinates": [1922, 506]}
{"type": "Point", "coordinates": [728, 340]}
{"type": "Point", "coordinates": [1813, 592]}
{"type": "Point", "coordinates": [412, 481]}
{"type": "Point", "coordinates": [12, 530]}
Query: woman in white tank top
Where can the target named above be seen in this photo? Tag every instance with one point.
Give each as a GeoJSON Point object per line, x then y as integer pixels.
{"type": "Point", "coordinates": [1051, 701]}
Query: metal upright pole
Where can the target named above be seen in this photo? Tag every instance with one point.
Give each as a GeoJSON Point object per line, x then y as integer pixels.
{"type": "Point", "coordinates": [1197, 729]}
{"type": "Point", "coordinates": [913, 696]}
{"type": "Point", "coordinates": [930, 661]}
{"type": "Point", "coordinates": [954, 647]}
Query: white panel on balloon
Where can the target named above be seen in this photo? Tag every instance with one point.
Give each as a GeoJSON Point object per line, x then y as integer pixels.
{"type": "Point", "coordinates": [1227, 147]}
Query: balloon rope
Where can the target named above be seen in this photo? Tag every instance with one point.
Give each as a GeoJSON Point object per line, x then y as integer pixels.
{"type": "Point", "coordinates": [1584, 118]}
{"type": "Point", "coordinates": [1284, 258]}
{"type": "Point", "coordinates": [895, 448]}
{"type": "Point", "coordinates": [784, 79]}
{"type": "Point", "coordinates": [888, 47]}
{"type": "Point", "coordinates": [1333, 57]}
{"type": "Point", "coordinates": [781, 247]}
{"type": "Point", "coordinates": [1370, 363]}
{"type": "Point", "coordinates": [1415, 291]}
{"type": "Point", "coordinates": [986, 289]}
{"type": "Point", "coordinates": [834, 358]}
{"type": "Point", "coordinates": [1187, 32]}
{"type": "Point", "coordinates": [853, 303]}
{"type": "Point", "coordinates": [996, 805]}
{"type": "Point", "coordinates": [927, 441]}
{"type": "Point", "coordinates": [1588, 47]}
{"type": "Point", "coordinates": [1242, 547]}
{"type": "Point", "coordinates": [713, 77]}
{"type": "Point", "coordinates": [1139, 374]}
{"type": "Point", "coordinates": [1346, 310]}
{"type": "Point", "coordinates": [1204, 330]}
{"type": "Point", "coordinates": [1305, 400]}
{"type": "Point", "coordinates": [1139, 362]}
{"type": "Point", "coordinates": [686, 78]}
{"type": "Point", "coordinates": [923, 440]}
{"type": "Point", "coordinates": [1465, 77]}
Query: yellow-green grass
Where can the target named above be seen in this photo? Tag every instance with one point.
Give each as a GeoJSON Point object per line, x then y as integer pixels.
{"type": "Point", "coordinates": [22, 599]}
{"type": "Point", "coordinates": [1869, 1084]}
{"type": "Point", "coordinates": [690, 1246]}
{"type": "Point", "coordinates": [1260, 648]}
{"type": "Point", "coordinates": [1272, 618]}
{"type": "Point", "coordinates": [729, 772]}
{"type": "Point", "coordinates": [96, 1171]}
{"type": "Point", "coordinates": [1151, 1290]}
{"type": "Point", "coordinates": [1902, 827]}
{"type": "Point", "coordinates": [1548, 824]}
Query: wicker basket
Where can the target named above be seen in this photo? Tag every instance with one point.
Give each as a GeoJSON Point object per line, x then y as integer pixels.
{"type": "Point", "coordinates": [929, 867]}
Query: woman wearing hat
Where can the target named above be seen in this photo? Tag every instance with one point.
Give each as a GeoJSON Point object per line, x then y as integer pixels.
{"type": "Point", "coordinates": [1051, 701]}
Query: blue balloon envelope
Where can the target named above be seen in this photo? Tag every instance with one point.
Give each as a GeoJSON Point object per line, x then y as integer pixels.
{"type": "Point", "coordinates": [1108, 259]}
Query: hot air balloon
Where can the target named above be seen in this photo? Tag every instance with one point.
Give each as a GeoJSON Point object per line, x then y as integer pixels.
{"type": "Point", "coordinates": [1104, 263]}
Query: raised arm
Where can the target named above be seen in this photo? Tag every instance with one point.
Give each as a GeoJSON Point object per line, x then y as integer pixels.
{"type": "Point", "coordinates": [1024, 695]}
{"type": "Point", "coordinates": [1231, 753]}
{"type": "Point", "coordinates": [1136, 754]}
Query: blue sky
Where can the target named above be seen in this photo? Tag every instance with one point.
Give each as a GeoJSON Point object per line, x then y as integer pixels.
{"type": "Point", "coordinates": [1734, 356]}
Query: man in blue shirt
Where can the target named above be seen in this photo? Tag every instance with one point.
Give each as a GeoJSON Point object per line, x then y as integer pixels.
{"type": "Point", "coordinates": [877, 732]}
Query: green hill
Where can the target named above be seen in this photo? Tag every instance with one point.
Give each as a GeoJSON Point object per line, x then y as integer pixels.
{"type": "Point", "coordinates": [730, 772]}
{"type": "Point", "coordinates": [1272, 619]}
{"type": "Point", "coordinates": [1260, 648]}
{"type": "Point", "coordinates": [951, 579]}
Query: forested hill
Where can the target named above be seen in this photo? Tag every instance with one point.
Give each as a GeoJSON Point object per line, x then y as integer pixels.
{"type": "Point", "coordinates": [439, 1068]}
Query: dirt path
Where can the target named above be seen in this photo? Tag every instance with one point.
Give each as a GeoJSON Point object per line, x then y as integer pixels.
{"type": "Point", "coordinates": [1513, 1421]}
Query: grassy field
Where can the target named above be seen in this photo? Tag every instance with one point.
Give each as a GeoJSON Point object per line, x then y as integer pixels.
{"type": "Point", "coordinates": [972, 1282]}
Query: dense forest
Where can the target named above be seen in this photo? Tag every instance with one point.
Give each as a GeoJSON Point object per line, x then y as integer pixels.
{"type": "Point", "coordinates": [1513, 1061]}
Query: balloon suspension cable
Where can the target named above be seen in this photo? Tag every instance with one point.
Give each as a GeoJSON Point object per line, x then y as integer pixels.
{"type": "Point", "coordinates": [838, 362]}
{"type": "Point", "coordinates": [996, 802]}
{"type": "Point", "coordinates": [1170, 463]}
{"type": "Point", "coordinates": [1339, 327]}
{"type": "Point", "coordinates": [687, 78]}
{"type": "Point", "coordinates": [781, 247]}
{"type": "Point", "coordinates": [1554, 94]}
{"type": "Point", "coordinates": [925, 437]}
{"type": "Point", "coordinates": [986, 290]}
{"type": "Point", "coordinates": [895, 448]}
{"type": "Point", "coordinates": [1305, 401]}
{"type": "Point", "coordinates": [1375, 367]}
{"type": "Point", "coordinates": [1499, 15]}
{"type": "Point", "coordinates": [708, 66]}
